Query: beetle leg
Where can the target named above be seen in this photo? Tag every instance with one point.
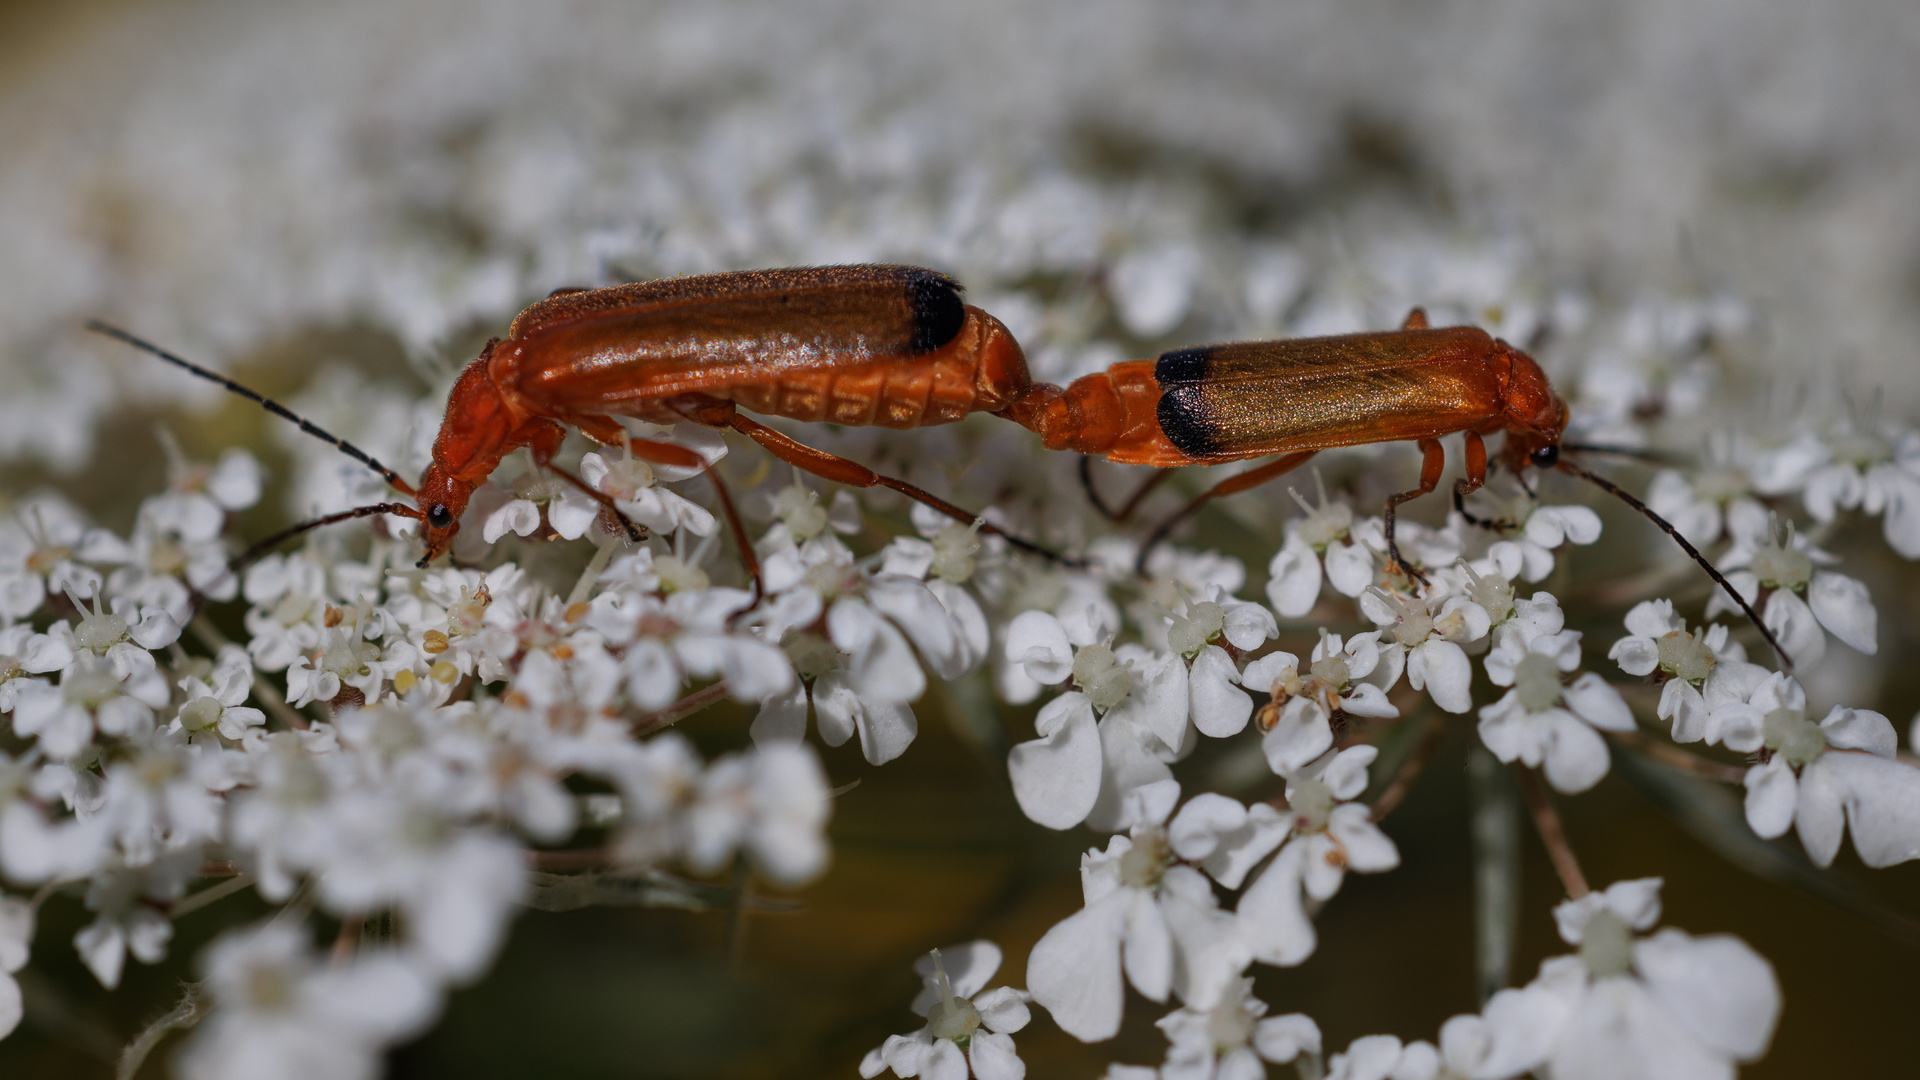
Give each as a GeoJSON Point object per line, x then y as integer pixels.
{"type": "Point", "coordinates": [1432, 464]}
{"type": "Point", "coordinates": [666, 453]}
{"type": "Point", "coordinates": [1279, 466]}
{"type": "Point", "coordinates": [853, 474]}
{"type": "Point", "coordinates": [1475, 479]}
{"type": "Point", "coordinates": [546, 443]}
{"type": "Point", "coordinates": [635, 533]}
{"type": "Point", "coordinates": [1416, 320]}
{"type": "Point", "coordinates": [1133, 502]}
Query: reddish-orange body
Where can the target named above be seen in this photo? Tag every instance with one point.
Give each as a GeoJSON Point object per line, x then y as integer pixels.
{"type": "Point", "coordinates": [1229, 402]}
{"type": "Point", "coordinates": [884, 345]}
{"type": "Point", "coordinates": [1294, 398]}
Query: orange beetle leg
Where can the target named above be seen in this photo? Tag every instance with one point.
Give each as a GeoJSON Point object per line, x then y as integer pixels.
{"type": "Point", "coordinates": [1125, 513]}
{"type": "Point", "coordinates": [1416, 320]}
{"type": "Point", "coordinates": [1431, 466]}
{"type": "Point", "coordinates": [1476, 477]}
{"type": "Point", "coordinates": [853, 474]}
{"type": "Point", "coordinates": [1279, 466]}
{"type": "Point", "coordinates": [600, 429]}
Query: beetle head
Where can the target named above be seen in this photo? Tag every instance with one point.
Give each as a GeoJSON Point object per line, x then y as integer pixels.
{"type": "Point", "coordinates": [442, 499]}
{"type": "Point", "coordinates": [1534, 414]}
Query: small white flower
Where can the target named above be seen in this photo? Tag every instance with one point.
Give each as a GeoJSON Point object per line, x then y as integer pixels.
{"type": "Point", "coordinates": [1349, 676]}
{"type": "Point", "coordinates": [1704, 671]}
{"type": "Point", "coordinates": [1325, 835]}
{"type": "Point", "coordinates": [961, 1034]}
{"type": "Point", "coordinates": [1540, 721]}
{"type": "Point", "coordinates": [16, 937]}
{"type": "Point", "coordinates": [1157, 921]}
{"type": "Point", "coordinates": [1232, 1040]}
{"type": "Point", "coordinates": [1324, 533]}
{"type": "Point", "coordinates": [215, 707]}
{"type": "Point", "coordinates": [1822, 778]}
{"type": "Point", "coordinates": [1666, 1005]}
{"type": "Point", "coordinates": [1801, 600]}
{"type": "Point", "coordinates": [279, 1010]}
{"type": "Point", "coordinates": [1431, 641]}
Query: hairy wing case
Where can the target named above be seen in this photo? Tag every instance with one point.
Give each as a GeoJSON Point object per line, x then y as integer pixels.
{"type": "Point", "coordinates": [1260, 400]}
{"type": "Point", "coordinates": [656, 339]}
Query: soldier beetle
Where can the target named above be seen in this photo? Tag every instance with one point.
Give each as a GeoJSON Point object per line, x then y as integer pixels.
{"type": "Point", "coordinates": [893, 346]}
{"type": "Point", "coordinates": [1295, 398]}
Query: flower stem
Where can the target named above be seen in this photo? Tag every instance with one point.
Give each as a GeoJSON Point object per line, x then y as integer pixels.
{"type": "Point", "coordinates": [1668, 754]}
{"type": "Point", "coordinates": [679, 710]}
{"type": "Point", "coordinates": [1409, 770]}
{"type": "Point", "coordinates": [1547, 820]}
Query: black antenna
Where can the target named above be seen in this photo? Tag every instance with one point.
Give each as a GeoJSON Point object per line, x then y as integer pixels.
{"type": "Point", "coordinates": [1607, 485]}
{"type": "Point", "coordinates": [246, 558]}
{"type": "Point", "coordinates": [266, 403]}
{"type": "Point", "coordinates": [1619, 451]}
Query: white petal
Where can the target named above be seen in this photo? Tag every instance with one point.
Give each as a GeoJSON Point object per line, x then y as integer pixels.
{"type": "Point", "coordinates": [1442, 669]}
{"type": "Point", "coordinates": [1037, 641]}
{"type": "Point", "coordinates": [882, 665]}
{"type": "Point", "coordinates": [1239, 851]}
{"type": "Point", "coordinates": [1004, 1009]}
{"type": "Point", "coordinates": [914, 608]}
{"type": "Point", "coordinates": [1716, 987]}
{"type": "Point", "coordinates": [1635, 655]}
{"type": "Point", "coordinates": [1280, 1039]}
{"type": "Point", "coordinates": [1196, 830]}
{"type": "Point", "coordinates": [782, 718]}
{"type": "Point", "coordinates": [1844, 608]}
{"type": "Point", "coordinates": [1056, 778]}
{"type": "Point", "coordinates": [1294, 585]}
{"type": "Point", "coordinates": [1773, 794]}
{"type": "Point", "coordinates": [1576, 754]}
{"type": "Point", "coordinates": [1368, 849]}
{"type": "Point", "coordinates": [1074, 970]}
{"type": "Point", "coordinates": [11, 1007]}
{"type": "Point", "coordinates": [1620, 1030]}
{"type": "Point", "coordinates": [572, 514]}
{"type": "Point", "coordinates": [519, 517]}
{"type": "Point", "coordinates": [1208, 952]}
{"type": "Point", "coordinates": [1128, 761]}
{"type": "Point", "coordinates": [994, 1057]}
{"type": "Point", "coordinates": [1793, 623]}
{"type": "Point", "coordinates": [1272, 921]}
{"type": "Point", "coordinates": [1147, 949]}
{"type": "Point", "coordinates": [1219, 708]}
{"type": "Point", "coordinates": [886, 730]}
{"type": "Point", "coordinates": [103, 947]}
{"type": "Point", "coordinates": [1598, 703]}
{"type": "Point", "coordinates": [1820, 814]}
{"type": "Point", "coordinates": [1882, 800]}
{"type": "Point", "coordinates": [1303, 732]}
{"type": "Point", "coordinates": [1653, 619]}
{"type": "Point", "coordinates": [1860, 729]}
{"type": "Point", "coordinates": [1349, 568]}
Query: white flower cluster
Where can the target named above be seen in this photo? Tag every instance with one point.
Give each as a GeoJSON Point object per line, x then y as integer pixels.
{"type": "Point", "coordinates": [463, 711]}
{"type": "Point", "coordinates": [392, 753]}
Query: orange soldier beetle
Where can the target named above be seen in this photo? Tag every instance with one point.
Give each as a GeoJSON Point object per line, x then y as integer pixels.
{"type": "Point", "coordinates": [1295, 398]}
{"type": "Point", "coordinates": [893, 346]}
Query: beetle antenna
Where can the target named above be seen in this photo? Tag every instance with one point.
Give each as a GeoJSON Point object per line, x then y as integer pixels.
{"type": "Point", "coordinates": [248, 557]}
{"type": "Point", "coordinates": [266, 403]}
{"type": "Point", "coordinates": [1667, 527]}
{"type": "Point", "coordinates": [1619, 451]}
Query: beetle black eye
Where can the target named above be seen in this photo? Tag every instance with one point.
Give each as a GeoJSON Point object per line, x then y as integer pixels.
{"type": "Point", "coordinates": [439, 516]}
{"type": "Point", "coordinates": [1545, 457]}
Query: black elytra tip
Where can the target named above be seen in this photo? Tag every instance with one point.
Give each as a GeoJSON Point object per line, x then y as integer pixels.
{"type": "Point", "coordinates": [1183, 366]}
{"type": "Point", "coordinates": [938, 311]}
{"type": "Point", "coordinates": [1184, 421]}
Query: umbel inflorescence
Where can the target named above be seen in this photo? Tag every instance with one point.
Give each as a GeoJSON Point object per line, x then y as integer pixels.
{"type": "Point", "coordinates": [395, 747]}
